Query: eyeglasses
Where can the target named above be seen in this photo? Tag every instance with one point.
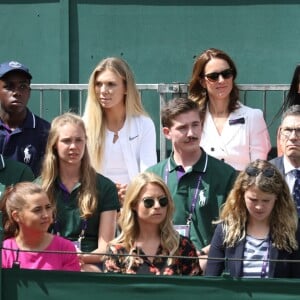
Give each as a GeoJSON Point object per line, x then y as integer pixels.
{"type": "Point", "coordinates": [287, 132]}
{"type": "Point", "coordinates": [254, 171]}
{"type": "Point", "coordinates": [213, 77]}
{"type": "Point", "coordinates": [22, 87]}
{"type": "Point", "coordinates": [149, 202]}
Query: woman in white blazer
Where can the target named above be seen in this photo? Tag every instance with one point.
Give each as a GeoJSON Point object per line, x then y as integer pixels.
{"type": "Point", "coordinates": [121, 136]}
{"type": "Point", "coordinates": [232, 132]}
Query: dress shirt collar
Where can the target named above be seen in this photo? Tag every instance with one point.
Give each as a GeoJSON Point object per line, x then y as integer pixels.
{"type": "Point", "coordinates": [288, 167]}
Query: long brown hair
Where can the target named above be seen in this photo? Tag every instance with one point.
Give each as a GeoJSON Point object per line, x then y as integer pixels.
{"type": "Point", "coordinates": [198, 93]}
{"type": "Point", "coordinates": [283, 219]}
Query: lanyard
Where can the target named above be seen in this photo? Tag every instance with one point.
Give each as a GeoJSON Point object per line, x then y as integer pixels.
{"type": "Point", "coordinates": [194, 200]}
{"type": "Point", "coordinates": [265, 264]}
{"type": "Point", "coordinates": [180, 173]}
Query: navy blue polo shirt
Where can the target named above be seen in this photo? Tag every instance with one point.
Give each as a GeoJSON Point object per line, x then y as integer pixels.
{"type": "Point", "coordinates": [26, 143]}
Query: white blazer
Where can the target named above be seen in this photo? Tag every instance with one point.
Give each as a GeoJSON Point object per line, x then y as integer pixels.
{"type": "Point", "coordinates": [138, 145]}
{"type": "Point", "coordinates": [244, 138]}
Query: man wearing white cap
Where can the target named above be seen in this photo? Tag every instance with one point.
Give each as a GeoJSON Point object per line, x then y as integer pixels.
{"type": "Point", "coordinates": [23, 135]}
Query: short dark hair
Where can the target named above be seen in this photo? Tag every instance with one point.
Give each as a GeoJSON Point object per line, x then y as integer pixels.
{"type": "Point", "coordinates": [175, 107]}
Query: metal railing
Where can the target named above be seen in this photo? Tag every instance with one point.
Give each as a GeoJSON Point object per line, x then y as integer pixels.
{"type": "Point", "coordinates": [163, 90]}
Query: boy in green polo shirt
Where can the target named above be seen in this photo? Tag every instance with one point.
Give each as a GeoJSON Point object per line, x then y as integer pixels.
{"type": "Point", "coordinates": [199, 183]}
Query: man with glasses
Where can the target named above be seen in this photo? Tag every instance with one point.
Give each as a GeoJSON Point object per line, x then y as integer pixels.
{"type": "Point", "coordinates": [199, 183]}
{"type": "Point", "coordinates": [289, 163]}
{"type": "Point", "coordinates": [23, 135]}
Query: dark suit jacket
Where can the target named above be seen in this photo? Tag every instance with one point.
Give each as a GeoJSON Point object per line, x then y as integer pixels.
{"type": "Point", "coordinates": [278, 163]}
{"type": "Point", "coordinates": [235, 268]}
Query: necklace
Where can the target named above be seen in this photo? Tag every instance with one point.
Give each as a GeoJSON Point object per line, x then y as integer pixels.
{"type": "Point", "coordinates": [115, 128]}
{"type": "Point", "coordinates": [116, 136]}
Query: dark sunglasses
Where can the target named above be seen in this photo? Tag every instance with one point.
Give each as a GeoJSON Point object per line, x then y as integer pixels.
{"type": "Point", "coordinates": [213, 77]}
{"type": "Point", "coordinates": [254, 171]}
{"type": "Point", "coordinates": [149, 202]}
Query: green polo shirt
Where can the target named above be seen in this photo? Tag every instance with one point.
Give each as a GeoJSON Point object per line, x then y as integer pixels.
{"type": "Point", "coordinates": [215, 179]}
{"type": "Point", "coordinates": [12, 172]}
{"type": "Point", "coordinates": [69, 224]}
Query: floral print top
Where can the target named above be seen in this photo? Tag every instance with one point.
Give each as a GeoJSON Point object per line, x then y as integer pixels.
{"type": "Point", "coordinates": [118, 262]}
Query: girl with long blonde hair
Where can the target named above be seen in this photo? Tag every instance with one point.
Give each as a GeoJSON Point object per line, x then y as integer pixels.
{"type": "Point", "coordinates": [86, 202]}
{"type": "Point", "coordinates": [122, 140]}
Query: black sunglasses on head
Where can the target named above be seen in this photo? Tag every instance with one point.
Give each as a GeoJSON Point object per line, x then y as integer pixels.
{"type": "Point", "coordinates": [254, 171]}
{"type": "Point", "coordinates": [149, 202]}
{"type": "Point", "coordinates": [228, 73]}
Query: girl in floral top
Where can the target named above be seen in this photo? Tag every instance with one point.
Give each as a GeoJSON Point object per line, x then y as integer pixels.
{"type": "Point", "coordinates": [148, 243]}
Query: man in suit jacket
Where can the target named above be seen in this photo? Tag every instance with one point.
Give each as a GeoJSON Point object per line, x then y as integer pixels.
{"type": "Point", "coordinates": [290, 144]}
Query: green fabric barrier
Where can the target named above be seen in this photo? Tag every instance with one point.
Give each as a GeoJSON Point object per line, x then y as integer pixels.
{"type": "Point", "coordinates": [19, 284]}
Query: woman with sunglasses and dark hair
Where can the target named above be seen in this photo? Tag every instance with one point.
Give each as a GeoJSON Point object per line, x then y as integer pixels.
{"type": "Point", "coordinates": [232, 132]}
{"type": "Point", "coordinates": [148, 240]}
{"type": "Point", "coordinates": [258, 227]}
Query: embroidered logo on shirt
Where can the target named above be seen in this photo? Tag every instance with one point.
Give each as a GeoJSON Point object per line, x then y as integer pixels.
{"type": "Point", "coordinates": [133, 137]}
{"type": "Point", "coordinates": [202, 198]}
{"type": "Point", "coordinates": [27, 154]}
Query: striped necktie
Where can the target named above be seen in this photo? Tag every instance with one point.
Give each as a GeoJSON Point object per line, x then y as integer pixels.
{"type": "Point", "coordinates": [296, 190]}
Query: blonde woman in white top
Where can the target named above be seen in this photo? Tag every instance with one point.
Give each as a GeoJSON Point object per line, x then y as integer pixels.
{"type": "Point", "coordinates": [121, 136]}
